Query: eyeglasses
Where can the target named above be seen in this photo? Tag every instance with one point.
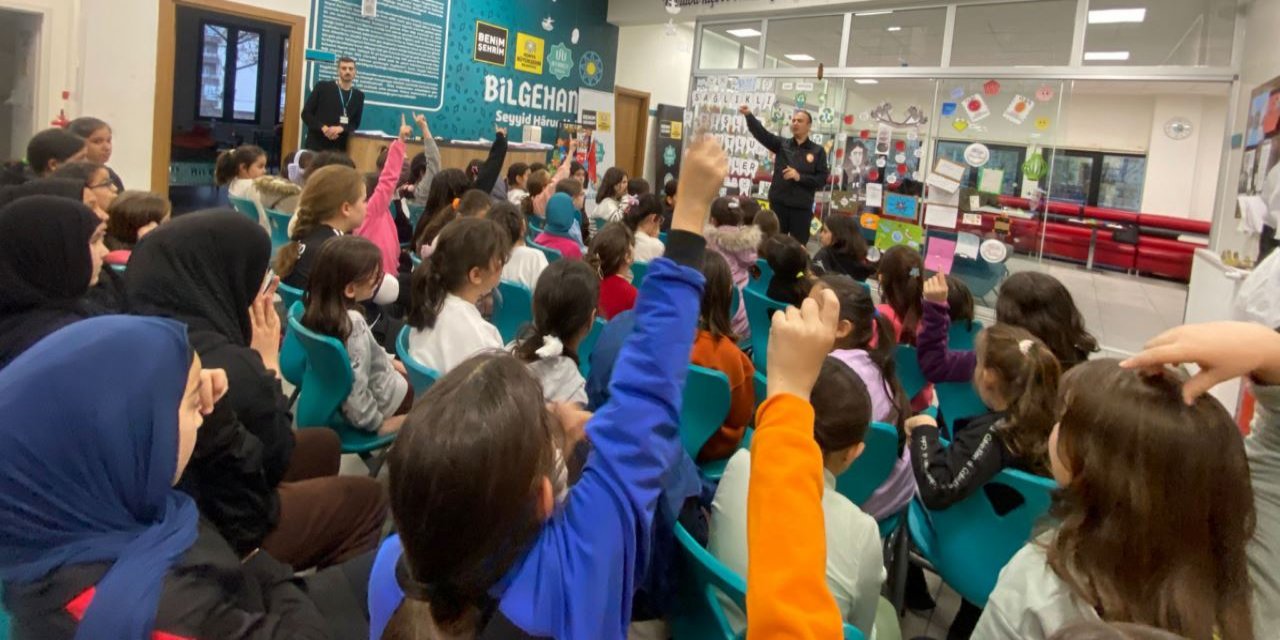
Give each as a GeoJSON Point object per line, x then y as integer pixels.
{"type": "Point", "coordinates": [105, 185]}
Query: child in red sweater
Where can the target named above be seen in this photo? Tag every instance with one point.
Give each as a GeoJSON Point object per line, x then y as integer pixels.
{"type": "Point", "coordinates": [610, 254]}
{"type": "Point", "coordinates": [715, 347]}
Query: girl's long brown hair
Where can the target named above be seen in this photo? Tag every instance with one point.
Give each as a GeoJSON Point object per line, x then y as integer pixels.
{"type": "Point", "coordinates": [342, 261]}
{"type": "Point", "coordinates": [1041, 304]}
{"type": "Point", "coordinates": [1159, 509]}
{"type": "Point", "coordinates": [1027, 375]}
{"type": "Point", "coordinates": [717, 298]}
{"type": "Point", "coordinates": [610, 248]}
{"type": "Point", "coordinates": [902, 287]}
{"type": "Point", "coordinates": [328, 188]}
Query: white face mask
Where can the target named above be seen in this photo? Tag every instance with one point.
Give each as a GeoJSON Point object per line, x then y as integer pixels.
{"type": "Point", "coordinates": [388, 292]}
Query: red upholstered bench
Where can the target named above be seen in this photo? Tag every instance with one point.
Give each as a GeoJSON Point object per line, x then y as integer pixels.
{"type": "Point", "coordinates": [1170, 223]}
{"type": "Point", "coordinates": [1165, 258]}
{"type": "Point", "coordinates": [1110, 215]}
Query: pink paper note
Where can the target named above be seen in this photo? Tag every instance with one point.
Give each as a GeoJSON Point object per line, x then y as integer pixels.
{"type": "Point", "coordinates": [940, 255]}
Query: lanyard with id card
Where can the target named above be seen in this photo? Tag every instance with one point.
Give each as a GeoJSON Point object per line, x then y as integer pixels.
{"type": "Point", "coordinates": [343, 120]}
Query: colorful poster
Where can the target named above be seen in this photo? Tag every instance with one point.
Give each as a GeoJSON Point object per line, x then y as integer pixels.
{"type": "Point", "coordinates": [976, 107]}
{"type": "Point", "coordinates": [900, 206]}
{"type": "Point", "coordinates": [891, 233]}
{"type": "Point", "coordinates": [1018, 110]}
{"type": "Point", "coordinates": [666, 145]}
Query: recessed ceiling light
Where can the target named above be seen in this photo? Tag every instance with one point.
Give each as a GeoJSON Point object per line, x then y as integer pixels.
{"type": "Point", "coordinates": [1106, 55]}
{"type": "Point", "coordinates": [866, 81]}
{"type": "Point", "coordinates": [1112, 16]}
{"type": "Point", "coordinates": [893, 29]}
{"type": "Point", "coordinates": [863, 14]}
{"type": "Point", "coordinates": [743, 33]}
{"type": "Point", "coordinates": [799, 57]}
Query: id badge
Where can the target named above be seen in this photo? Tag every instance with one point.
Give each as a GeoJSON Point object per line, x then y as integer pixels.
{"type": "Point", "coordinates": [344, 120]}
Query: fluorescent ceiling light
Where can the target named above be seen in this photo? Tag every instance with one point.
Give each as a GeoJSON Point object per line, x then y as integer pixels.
{"type": "Point", "coordinates": [743, 33]}
{"type": "Point", "coordinates": [1112, 16]}
{"type": "Point", "coordinates": [1106, 55]}
{"type": "Point", "coordinates": [893, 29]}
{"type": "Point", "coordinates": [863, 14]}
{"type": "Point", "coordinates": [799, 57]}
{"type": "Point", "coordinates": [866, 81]}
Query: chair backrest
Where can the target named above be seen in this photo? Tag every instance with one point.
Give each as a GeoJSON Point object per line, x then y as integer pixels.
{"type": "Point", "coordinates": [289, 295]}
{"type": "Point", "coordinates": [420, 376]}
{"type": "Point", "coordinates": [760, 310]}
{"type": "Point", "coordinates": [873, 467]}
{"type": "Point", "coordinates": [588, 345]}
{"type": "Point", "coordinates": [973, 542]}
{"type": "Point", "coordinates": [908, 368]}
{"type": "Point", "coordinates": [706, 405]}
{"type": "Point", "coordinates": [415, 212]}
{"type": "Point", "coordinates": [961, 338]}
{"type": "Point", "coordinates": [245, 206]}
{"type": "Point", "coordinates": [279, 221]}
{"type": "Point", "coordinates": [704, 585]}
{"type": "Point", "coordinates": [761, 383]}
{"type": "Point", "coordinates": [328, 378]}
{"type": "Point", "coordinates": [638, 271]}
{"type": "Point", "coordinates": [293, 358]}
{"type": "Point", "coordinates": [515, 311]}
{"type": "Point", "coordinates": [958, 401]}
{"type": "Point", "coordinates": [552, 254]}
{"type": "Point", "coordinates": [761, 284]}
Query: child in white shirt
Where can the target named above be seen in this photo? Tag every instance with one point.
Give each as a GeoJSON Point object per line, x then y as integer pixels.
{"type": "Point", "coordinates": [564, 309]}
{"type": "Point", "coordinates": [526, 263]}
{"type": "Point", "coordinates": [645, 220]}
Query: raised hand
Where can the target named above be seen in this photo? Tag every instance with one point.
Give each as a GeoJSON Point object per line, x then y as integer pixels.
{"type": "Point", "coordinates": [405, 130]}
{"type": "Point", "coordinates": [701, 175]}
{"type": "Point", "coordinates": [799, 340]}
{"type": "Point", "coordinates": [935, 289]}
{"type": "Point", "coordinates": [744, 110]}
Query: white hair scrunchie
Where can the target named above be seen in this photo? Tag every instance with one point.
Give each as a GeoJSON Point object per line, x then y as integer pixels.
{"type": "Point", "coordinates": [1025, 346]}
{"type": "Point", "coordinates": [551, 347]}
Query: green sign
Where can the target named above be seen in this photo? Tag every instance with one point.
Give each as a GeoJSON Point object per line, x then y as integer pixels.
{"type": "Point", "coordinates": [669, 155]}
{"type": "Point", "coordinates": [560, 61]}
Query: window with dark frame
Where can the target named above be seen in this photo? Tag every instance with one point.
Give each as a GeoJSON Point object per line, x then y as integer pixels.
{"type": "Point", "coordinates": [230, 72]}
{"type": "Point", "coordinates": [1091, 178]}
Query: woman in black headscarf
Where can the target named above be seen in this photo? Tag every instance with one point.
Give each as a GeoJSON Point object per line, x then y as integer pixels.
{"type": "Point", "coordinates": [51, 252]}
{"type": "Point", "coordinates": [208, 269]}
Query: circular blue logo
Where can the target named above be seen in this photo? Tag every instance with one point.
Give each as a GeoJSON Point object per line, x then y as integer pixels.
{"type": "Point", "coordinates": [591, 68]}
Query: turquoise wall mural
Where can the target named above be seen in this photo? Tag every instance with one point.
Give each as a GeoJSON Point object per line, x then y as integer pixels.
{"type": "Point", "coordinates": [469, 65]}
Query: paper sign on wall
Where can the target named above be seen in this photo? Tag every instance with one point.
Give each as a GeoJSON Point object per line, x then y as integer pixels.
{"type": "Point", "coordinates": [1018, 110]}
{"type": "Point", "coordinates": [891, 233]}
{"type": "Point", "coordinates": [991, 180]}
{"type": "Point", "coordinates": [940, 215]}
{"type": "Point", "coordinates": [884, 140]}
{"type": "Point", "coordinates": [972, 219]}
{"type": "Point", "coordinates": [940, 255]}
{"type": "Point", "coordinates": [976, 107]}
{"type": "Point", "coordinates": [869, 221]}
{"type": "Point", "coordinates": [875, 193]}
{"type": "Point", "coordinates": [967, 245]}
{"type": "Point", "coordinates": [949, 169]}
{"type": "Point", "coordinates": [942, 183]}
{"type": "Point", "coordinates": [900, 206]}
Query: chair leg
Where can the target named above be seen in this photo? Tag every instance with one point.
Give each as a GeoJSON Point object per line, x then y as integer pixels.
{"type": "Point", "coordinates": [901, 562]}
{"type": "Point", "coordinates": [293, 397]}
{"type": "Point", "coordinates": [374, 461]}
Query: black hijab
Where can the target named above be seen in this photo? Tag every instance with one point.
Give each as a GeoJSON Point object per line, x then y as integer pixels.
{"type": "Point", "coordinates": [45, 266]}
{"type": "Point", "coordinates": [61, 187]}
{"type": "Point", "coordinates": [204, 269]}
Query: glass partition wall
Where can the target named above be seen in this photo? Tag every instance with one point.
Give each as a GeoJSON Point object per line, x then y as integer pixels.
{"type": "Point", "coordinates": [993, 130]}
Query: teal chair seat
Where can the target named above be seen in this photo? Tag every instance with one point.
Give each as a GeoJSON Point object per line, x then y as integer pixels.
{"type": "Point", "coordinates": [968, 543]}
{"type": "Point", "coordinates": [279, 222]}
{"type": "Point", "coordinates": [760, 310]}
{"type": "Point", "coordinates": [293, 358]}
{"type": "Point", "coordinates": [908, 368]}
{"type": "Point", "coordinates": [704, 584]}
{"type": "Point", "coordinates": [961, 338]}
{"type": "Point", "coordinates": [415, 212]}
{"type": "Point", "coordinates": [761, 283]}
{"type": "Point", "coordinates": [873, 467]}
{"type": "Point", "coordinates": [515, 311]}
{"type": "Point", "coordinates": [958, 401]}
{"type": "Point", "coordinates": [245, 206]}
{"type": "Point", "coordinates": [707, 397]}
{"type": "Point", "coordinates": [325, 386]}
{"type": "Point", "coordinates": [289, 295]}
{"type": "Point", "coordinates": [420, 376]}
{"type": "Point", "coordinates": [552, 254]}
{"type": "Point", "coordinates": [638, 271]}
{"type": "Point", "coordinates": [588, 345]}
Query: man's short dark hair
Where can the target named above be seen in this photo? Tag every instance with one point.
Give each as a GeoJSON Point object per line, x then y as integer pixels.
{"type": "Point", "coordinates": [346, 59]}
{"type": "Point", "coordinates": [807, 115]}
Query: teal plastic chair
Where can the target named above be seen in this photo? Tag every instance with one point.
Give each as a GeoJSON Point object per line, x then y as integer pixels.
{"type": "Point", "coordinates": [515, 311]}
{"type": "Point", "coordinates": [245, 206]}
{"type": "Point", "coordinates": [588, 345]}
{"type": "Point", "coordinates": [119, 268]}
{"type": "Point", "coordinates": [415, 212]}
{"type": "Point", "coordinates": [289, 295]}
{"type": "Point", "coordinates": [968, 544]}
{"type": "Point", "coordinates": [958, 401]}
{"type": "Point", "coordinates": [415, 259]}
{"type": "Point", "coordinates": [908, 370]}
{"type": "Point", "coordinates": [420, 375]}
{"type": "Point", "coordinates": [325, 386]}
{"type": "Point", "coordinates": [961, 338]}
{"type": "Point", "coordinates": [703, 585]}
{"type": "Point", "coordinates": [662, 235]}
{"type": "Point", "coordinates": [279, 221]}
{"type": "Point", "coordinates": [638, 271]}
{"type": "Point", "coordinates": [761, 384]}
{"type": "Point", "coordinates": [761, 283]}
{"type": "Point", "coordinates": [293, 358]}
{"type": "Point", "coordinates": [707, 398]}
{"type": "Point", "coordinates": [552, 254]}
{"type": "Point", "coordinates": [533, 230]}
{"type": "Point", "coordinates": [760, 310]}
{"type": "Point", "coordinates": [872, 468]}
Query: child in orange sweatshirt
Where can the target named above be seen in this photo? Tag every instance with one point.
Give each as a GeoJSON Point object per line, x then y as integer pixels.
{"type": "Point", "coordinates": [787, 595]}
{"type": "Point", "coordinates": [715, 347]}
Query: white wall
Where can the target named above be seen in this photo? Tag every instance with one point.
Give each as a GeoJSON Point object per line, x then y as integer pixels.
{"type": "Point", "coordinates": [650, 60]}
{"type": "Point", "coordinates": [1172, 168]}
{"type": "Point", "coordinates": [58, 57]}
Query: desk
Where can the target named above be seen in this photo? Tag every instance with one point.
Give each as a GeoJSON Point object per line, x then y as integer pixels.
{"type": "Point", "coordinates": [364, 150]}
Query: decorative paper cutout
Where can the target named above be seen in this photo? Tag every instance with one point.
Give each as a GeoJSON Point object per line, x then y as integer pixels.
{"type": "Point", "coordinates": [884, 115]}
{"type": "Point", "coordinates": [991, 88]}
{"type": "Point", "coordinates": [869, 220]}
{"type": "Point", "coordinates": [960, 124]}
{"type": "Point", "coordinates": [940, 255]}
{"type": "Point", "coordinates": [1044, 93]}
{"type": "Point", "coordinates": [900, 158]}
{"type": "Point", "coordinates": [884, 140]}
{"type": "Point", "coordinates": [977, 154]}
{"type": "Point", "coordinates": [976, 107]}
{"type": "Point", "coordinates": [948, 108]}
{"type": "Point", "coordinates": [949, 169]}
{"type": "Point", "coordinates": [900, 206]}
{"type": "Point", "coordinates": [891, 233]}
{"type": "Point", "coordinates": [957, 93]}
{"type": "Point", "coordinates": [848, 119]}
{"type": "Point", "coordinates": [1018, 110]}
{"type": "Point", "coordinates": [1042, 123]}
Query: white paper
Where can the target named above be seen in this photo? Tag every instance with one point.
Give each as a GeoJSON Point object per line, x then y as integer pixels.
{"type": "Point", "coordinates": [875, 194]}
{"type": "Point", "coordinates": [937, 215]}
{"type": "Point", "coordinates": [938, 196]}
{"type": "Point", "coordinates": [991, 181]}
{"type": "Point", "coordinates": [976, 107]}
{"type": "Point", "coordinates": [1018, 110]}
{"type": "Point", "coordinates": [951, 170]}
{"type": "Point", "coordinates": [973, 219]}
{"type": "Point", "coordinates": [942, 182]}
{"type": "Point", "coordinates": [975, 202]}
{"type": "Point", "coordinates": [967, 245]}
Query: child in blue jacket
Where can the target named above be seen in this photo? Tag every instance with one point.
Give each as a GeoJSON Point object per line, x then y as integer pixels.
{"type": "Point", "coordinates": [485, 549]}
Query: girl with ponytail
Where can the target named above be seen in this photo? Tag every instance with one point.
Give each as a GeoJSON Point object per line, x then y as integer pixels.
{"type": "Point", "coordinates": [611, 254]}
{"type": "Point", "coordinates": [563, 310]}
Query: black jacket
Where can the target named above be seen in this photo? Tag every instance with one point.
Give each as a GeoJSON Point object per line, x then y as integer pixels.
{"type": "Point", "coordinates": [324, 108]}
{"type": "Point", "coordinates": [829, 261]}
{"type": "Point", "coordinates": [948, 475]}
{"type": "Point", "coordinates": [208, 593]}
{"type": "Point", "coordinates": [809, 159]}
{"type": "Point", "coordinates": [308, 252]}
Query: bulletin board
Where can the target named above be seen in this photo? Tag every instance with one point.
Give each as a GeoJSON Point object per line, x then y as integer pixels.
{"type": "Point", "coordinates": [714, 110]}
{"type": "Point", "coordinates": [1261, 149]}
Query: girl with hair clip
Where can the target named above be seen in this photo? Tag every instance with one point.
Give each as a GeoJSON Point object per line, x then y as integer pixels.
{"type": "Point", "coordinates": [854, 557]}
{"type": "Point", "coordinates": [512, 562]}
{"type": "Point", "coordinates": [465, 267]}
{"type": "Point", "coordinates": [1034, 301]}
{"type": "Point", "coordinates": [472, 204]}
{"type": "Point", "coordinates": [844, 250]}
{"type": "Point", "coordinates": [865, 344]}
{"type": "Point", "coordinates": [613, 187]}
{"type": "Point", "coordinates": [716, 347]}
{"type": "Point", "coordinates": [790, 263]}
{"type": "Point", "coordinates": [644, 218]}
{"type": "Point", "coordinates": [1155, 514]}
{"type": "Point", "coordinates": [610, 256]}
{"type": "Point", "coordinates": [348, 272]}
{"type": "Point", "coordinates": [1017, 377]}
{"type": "Point", "coordinates": [738, 244]}
{"type": "Point", "coordinates": [563, 310]}
{"type": "Point", "coordinates": [901, 277]}
{"type": "Point", "coordinates": [558, 232]}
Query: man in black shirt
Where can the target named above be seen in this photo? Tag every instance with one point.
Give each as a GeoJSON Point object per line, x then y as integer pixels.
{"type": "Point", "coordinates": [799, 169]}
{"type": "Point", "coordinates": [333, 109]}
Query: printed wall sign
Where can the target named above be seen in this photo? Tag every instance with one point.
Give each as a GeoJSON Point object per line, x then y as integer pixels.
{"type": "Point", "coordinates": [529, 53]}
{"type": "Point", "coordinates": [491, 44]}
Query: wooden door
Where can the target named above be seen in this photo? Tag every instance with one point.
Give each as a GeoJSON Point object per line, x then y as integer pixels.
{"type": "Point", "coordinates": [631, 129]}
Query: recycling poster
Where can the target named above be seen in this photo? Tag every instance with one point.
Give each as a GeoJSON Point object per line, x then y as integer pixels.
{"type": "Point", "coordinates": [666, 147]}
{"type": "Point", "coordinates": [469, 65]}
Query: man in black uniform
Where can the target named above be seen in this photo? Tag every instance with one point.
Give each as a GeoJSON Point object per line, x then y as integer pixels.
{"type": "Point", "coordinates": [799, 169]}
{"type": "Point", "coordinates": [333, 109]}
